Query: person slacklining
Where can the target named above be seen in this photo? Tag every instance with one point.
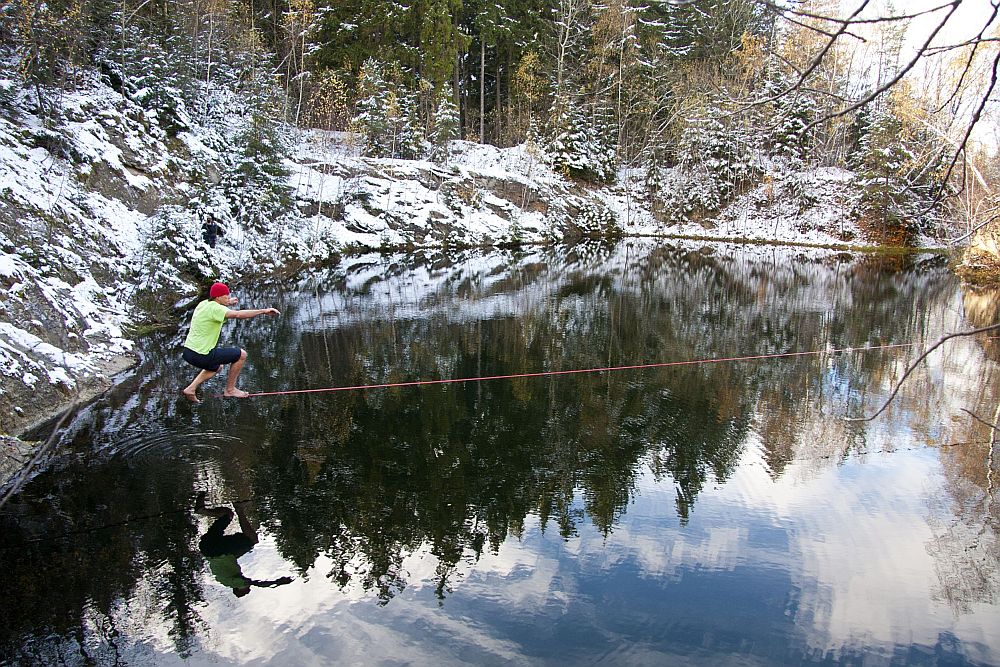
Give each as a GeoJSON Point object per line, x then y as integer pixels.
{"type": "Point", "coordinates": [200, 346]}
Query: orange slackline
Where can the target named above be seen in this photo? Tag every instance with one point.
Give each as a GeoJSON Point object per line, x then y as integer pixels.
{"type": "Point", "coordinates": [420, 383]}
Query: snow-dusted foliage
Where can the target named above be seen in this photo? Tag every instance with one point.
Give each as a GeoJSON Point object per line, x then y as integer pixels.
{"type": "Point", "coordinates": [789, 138]}
{"type": "Point", "coordinates": [386, 114]}
{"type": "Point", "coordinates": [717, 161]}
{"type": "Point", "coordinates": [598, 220]}
{"type": "Point", "coordinates": [446, 120]}
{"type": "Point", "coordinates": [577, 148]}
{"type": "Point", "coordinates": [898, 170]}
{"type": "Point", "coordinates": [255, 178]}
{"type": "Point", "coordinates": [148, 72]}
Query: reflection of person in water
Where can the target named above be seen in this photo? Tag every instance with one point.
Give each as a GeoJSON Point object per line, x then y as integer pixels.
{"type": "Point", "coordinates": [222, 551]}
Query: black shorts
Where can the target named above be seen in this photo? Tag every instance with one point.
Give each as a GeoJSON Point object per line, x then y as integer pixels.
{"type": "Point", "coordinates": [214, 359]}
{"type": "Point", "coordinates": [216, 543]}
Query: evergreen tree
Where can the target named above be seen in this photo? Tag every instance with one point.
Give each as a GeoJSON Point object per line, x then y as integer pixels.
{"type": "Point", "coordinates": [708, 30]}
{"type": "Point", "coordinates": [51, 38]}
{"type": "Point", "coordinates": [577, 148]}
{"type": "Point", "coordinates": [255, 184]}
{"type": "Point", "coordinates": [408, 138]}
{"type": "Point", "coordinates": [446, 120]}
{"type": "Point", "coordinates": [386, 114]}
{"type": "Point", "coordinates": [138, 66]}
{"type": "Point", "coordinates": [898, 168]}
{"type": "Point", "coordinates": [370, 119]}
{"type": "Point", "coordinates": [352, 32]}
{"type": "Point", "coordinates": [712, 144]}
{"type": "Point", "coordinates": [716, 162]}
{"type": "Point", "coordinates": [439, 39]}
{"type": "Point", "coordinates": [789, 139]}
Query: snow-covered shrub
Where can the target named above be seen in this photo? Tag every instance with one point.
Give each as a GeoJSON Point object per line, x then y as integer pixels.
{"type": "Point", "coordinates": [174, 258]}
{"type": "Point", "coordinates": [653, 178]}
{"type": "Point", "coordinates": [789, 139]}
{"type": "Point", "coordinates": [7, 95]}
{"type": "Point", "coordinates": [800, 190]}
{"type": "Point", "coordinates": [139, 67]}
{"type": "Point", "coordinates": [597, 221]}
{"type": "Point", "coordinates": [577, 149]}
{"type": "Point", "coordinates": [386, 114]}
{"type": "Point", "coordinates": [714, 145]}
{"type": "Point", "coordinates": [255, 181]}
{"type": "Point", "coordinates": [899, 165]}
{"type": "Point", "coordinates": [445, 126]}
{"type": "Point", "coordinates": [692, 196]}
{"type": "Point", "coordinates": [717, 162]}
{"type": "Point", "coordinates": [256, 186]}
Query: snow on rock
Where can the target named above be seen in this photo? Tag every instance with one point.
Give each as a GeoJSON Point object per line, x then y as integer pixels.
{"type": "Point", "coordinates": [484, 195]}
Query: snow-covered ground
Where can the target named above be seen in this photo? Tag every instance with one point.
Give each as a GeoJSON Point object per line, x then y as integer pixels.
{"type": "Point", "coordinates": [98, 221]}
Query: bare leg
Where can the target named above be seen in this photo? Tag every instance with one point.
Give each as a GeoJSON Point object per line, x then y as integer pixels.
{"type": "Point", "coordinates": [234, 374]}
{"type": "Point", "coordinates": [190, 392]}
{"type": "Point", "coordinates": [199, 508]}
{"type": "Point", "coordinates": [245, 524]}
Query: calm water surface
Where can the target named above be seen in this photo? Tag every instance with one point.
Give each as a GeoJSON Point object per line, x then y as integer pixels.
{"type": "Point", "coordinates": [719, 513]}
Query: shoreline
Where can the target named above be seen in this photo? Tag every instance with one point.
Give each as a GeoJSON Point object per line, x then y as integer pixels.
{"type": "Point", "coordinates": [16, 451]}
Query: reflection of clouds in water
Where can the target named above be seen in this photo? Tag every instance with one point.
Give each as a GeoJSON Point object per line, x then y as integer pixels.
{"type": "Point", "coordinates": [313, 622]}
{"type": "Point", "coordinates": [852, 540]}
{"type": "Point", "coordinates": [858, 552]}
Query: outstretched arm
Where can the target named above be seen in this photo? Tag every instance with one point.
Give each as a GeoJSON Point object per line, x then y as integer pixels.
{"type": "Point", "coordinates": [247, 314]}
{"type": "Point", "coordinates": [271, 583]}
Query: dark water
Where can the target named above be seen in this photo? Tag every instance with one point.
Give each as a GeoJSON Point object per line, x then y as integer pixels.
{"type": "Point", "coordinates": [704, 514]}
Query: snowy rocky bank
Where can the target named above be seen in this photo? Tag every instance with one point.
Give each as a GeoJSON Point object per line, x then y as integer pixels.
{"type": "Point", "coordinates": [98, 221]}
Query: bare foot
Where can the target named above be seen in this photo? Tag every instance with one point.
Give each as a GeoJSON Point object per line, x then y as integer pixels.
{"type": "Point", "coordinates": [190, 395]}
{"type": "Point", "coordinates": [235, 393]}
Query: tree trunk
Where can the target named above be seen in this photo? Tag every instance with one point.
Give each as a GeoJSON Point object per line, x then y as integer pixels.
{"type": "Point", "coordinates": [496, 109]}
{"type": "Point", "coordinates": [482, 90]}
{"type": "Point", "coordinates": [457, 95]}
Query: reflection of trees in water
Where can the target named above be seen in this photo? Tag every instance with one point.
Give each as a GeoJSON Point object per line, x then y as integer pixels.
{"type": "Point", "coordinates": [965, 528]}
{"type": "Point", "coordinates": [965, 524]}
{"type": "Point", "coordinates": [63, 597]}
{"type": "Point", "coordinates": [477, 459]}
{"type": "Point", "coordinates": [366, 478]}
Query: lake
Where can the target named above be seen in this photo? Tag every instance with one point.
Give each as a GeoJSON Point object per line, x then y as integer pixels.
{"type": "Point", "coordinates": [722, 512]}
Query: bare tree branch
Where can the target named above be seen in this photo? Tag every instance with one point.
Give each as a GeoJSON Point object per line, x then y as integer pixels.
{"type": "Point", "coordinates": [909, 370]}
{"type": "Point", "coordinates": [980, 419]}
{"type": "Point", "coordinates": [892, 82]}
{"type": "Point", "coordinates": [827, 33]}
{"type": "Point", "coordinates": [975, 229]}
{"type": "Point", "coordinates": [976, 115]}
{"type": "Point", "coordinates": [819, 57]}
{"type": "Point", "coordinates": [832, 19]}
{"type": "Point", "coordinates": [975, 42]}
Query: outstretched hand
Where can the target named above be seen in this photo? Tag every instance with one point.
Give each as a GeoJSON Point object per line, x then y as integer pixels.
{"type": "Point", "coordinates": [272, 311]}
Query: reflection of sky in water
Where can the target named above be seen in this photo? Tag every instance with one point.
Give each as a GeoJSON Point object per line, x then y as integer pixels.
{"type": "Point", "coordinates": [828, 563]}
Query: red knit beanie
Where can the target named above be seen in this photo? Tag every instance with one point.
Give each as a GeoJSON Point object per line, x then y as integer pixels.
{"type": "Point", "coordinates": [217, 290]}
